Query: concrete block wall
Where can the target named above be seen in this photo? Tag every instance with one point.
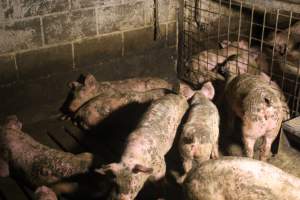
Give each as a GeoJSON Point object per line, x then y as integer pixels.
{"type": "Point", "coordinates": [39, 39]}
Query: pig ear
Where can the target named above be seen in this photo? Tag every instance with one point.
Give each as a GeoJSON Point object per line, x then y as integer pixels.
{"type": "Point", "coordinates": [208, 90]}
{"type": "Point", "coordinates": [140, 168]}
{"type": "Point", "coordinates": [4, 168]}
{"type": "Point", "coordinates": [113, 167]}
{"type": "Point", "coordinates": [73, 84]}
{"type": "Point", "coordinates": [90, 81]}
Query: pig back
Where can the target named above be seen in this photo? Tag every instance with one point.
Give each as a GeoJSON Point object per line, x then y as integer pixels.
{"type": "Point", "coordinates": [159, 124]}
{"type": "Point", "coordinates": [240, 178]}
{"type": "Point", "coordinates": [203, 118]}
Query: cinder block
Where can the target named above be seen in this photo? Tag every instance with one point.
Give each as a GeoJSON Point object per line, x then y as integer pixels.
{"type": "Point", "coordinates": [8, 72]}
{"type": "Point", "coordinates": [13, 9]}
{"type": "Point", "coordinates": [92, 3]}
{"type": "Point", "coordinates": [142, 40]}
{"type": "Point", "coordinates": [70, 26]}
{"type": "Point", "coordinates": [43, 62]}
{"type": "Point", "coordinates": [121, 17]}
{"type": "Point", "coordinates": [97, 50]}
{"type": "Point", "coordinates": [17, 35]}
{"type": "Point", "coordinates": [172, 34]}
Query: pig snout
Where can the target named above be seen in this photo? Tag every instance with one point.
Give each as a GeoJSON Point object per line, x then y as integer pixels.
{"type": "Point", "coordinates": [13, 122]}
{"type": "Point", "coordinates": [45, 193]}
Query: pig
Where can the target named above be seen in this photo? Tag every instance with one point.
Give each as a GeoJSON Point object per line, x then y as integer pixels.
{"type": "Point", "coordinates": [260, 105]}
{"type": "Point", "coordinates": [200, 67]}
{"type": "Point", "coordinates": [45, 193]}
{"type": "Point", "coordinates": [286, 48]}
{"type": "Point", "coordinates": [199, 138]}
{"type": "Point", "coordinates": [237, 178]}
{"type": "Point", "coordinates": [248, 60]}
{"type": "Point", "coordinates": [282, 41]}
{"type": "Point", "coordinates": [96, 110]}
{"type": "Point", "coordinates": [36, 163]}
{"type": "Point", "coordinates": [143, 157]}
{"type": "Point", "coordinates": [92, 88]}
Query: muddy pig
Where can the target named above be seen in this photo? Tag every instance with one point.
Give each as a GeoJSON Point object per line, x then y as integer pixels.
{"type": "Point", "coordinates": [200, 67]}
{"type": "Point", "coordinates": [199, 138]}
{"type": "Point", "coordinates": [247, 60]}
{"type": "Point", "coordinates": [236, 178]}
{"type": "Point", "coordinates": [36, 163]}
{"type": "Point", "coordinates": [92, 88]}
{"type": "Point", "coordinates": [260, 105]}
{"type": "Point", "coordinates": [143, 157]}
{"type": "Point", "coordinates": [100, 107]}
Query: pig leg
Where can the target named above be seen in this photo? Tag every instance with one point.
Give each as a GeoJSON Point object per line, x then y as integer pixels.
{"type": "Point", "coordinates": [215, 151]}
{"type": "Point", "coordinates": [187, 165]}
{"type": "Point", "coordinates": [65, 187]}
{"type": "Point", "coordinates": [249, 143]}
{"type": "Point", "coordinates": [268, 140]}
{"type": "Point", "coordinates": [4, 168]}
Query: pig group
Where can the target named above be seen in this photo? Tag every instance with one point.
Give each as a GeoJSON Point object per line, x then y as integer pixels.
{"type": "Point", "coordinates": [255, 99]}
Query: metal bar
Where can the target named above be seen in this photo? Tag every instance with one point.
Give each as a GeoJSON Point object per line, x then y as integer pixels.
{"type": "Point", "coordinates": [250, 36]}
{"type": "Point", "coordinates": [273, 50]}
{"type": "Point", "coordinates": [181, 39]}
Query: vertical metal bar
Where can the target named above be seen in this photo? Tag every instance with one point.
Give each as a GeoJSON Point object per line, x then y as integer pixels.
{"type": "Point", "coordinates": [219, 24]}
{"type": "Point", "coordinates": [286, 51]}
{"type": "Point", "coordinates": [298, 101]}
{"type": "Point", "coordinates": [295, 98]}
{"type": "Point", "coordinates": [263, 33]}
{"type": "Point", "coordinates": [229, 24]}
{"type": "Point", "coordinates": [181, 39]}
{"type": "Point", "coordinates": [250, 37]}
{"type": "Point", "coordinates": [238, 39]}
{"type": "Point", "coordinates": [273, 50]}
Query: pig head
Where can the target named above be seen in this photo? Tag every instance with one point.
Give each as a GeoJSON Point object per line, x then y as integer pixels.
{"type": "Point", "coordinates": [128, 181]}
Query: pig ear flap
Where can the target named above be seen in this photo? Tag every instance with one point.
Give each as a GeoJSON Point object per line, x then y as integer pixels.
{"type": "Point", "coordinates": [111, 168]}
{"type": "Point", "coordinates": [90, 81]}
{"type": "Point", "coordinates": [73, 85]}
{"type": "Point", "coordinates": [208, 90]}
{"type": "Point", "coordinates": [140, 168]}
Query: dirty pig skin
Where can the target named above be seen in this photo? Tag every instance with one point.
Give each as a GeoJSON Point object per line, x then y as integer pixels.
{"type": "Point", "coordinates": [36, 163]}
{"type": "Point", "coordinates": [143, 157]}
{"type": "Point", "coordinates": [100, 107]}
{"type": "Point", "coordinates": [261, 106]}
{"type": "Point", "coordinates": [83, 92]}
{"type": "Point", "coordinates": [238, 178]}
{"type": "Point", "coordinates": [199, 138]}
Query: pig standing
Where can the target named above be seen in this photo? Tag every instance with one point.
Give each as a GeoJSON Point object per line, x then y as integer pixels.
{"type": "Point", "coordinates": [92, 88]}
{"type": "Point", "coordinates": [100, 107]}
{"type": "Point", "coordinates": [143, 158]}
{"type": "Point", "coordinates": [35, 163]}
{"type": "Point", "coordinates": [199, 138]}
{"type": "Point", "coordinates": [260, 105]}
{"type": "Point", "coordinates": [236, 178]}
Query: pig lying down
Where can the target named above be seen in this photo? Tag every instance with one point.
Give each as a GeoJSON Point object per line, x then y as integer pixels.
{"type": "Point", "coordinates": [199, 138]}
{"type": "Point", "coordinates": [91, 88]}
{"type": "Point", "coordinates": [100, 107]}
{"type": "Point", "coordinates": [143, 157]}
{"type": "Point", "coordinates": [261, 106]}
{"type": "Point", "coordinates": [36, 163]}
{"type": "Point", "coordinates": [234, 178]}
